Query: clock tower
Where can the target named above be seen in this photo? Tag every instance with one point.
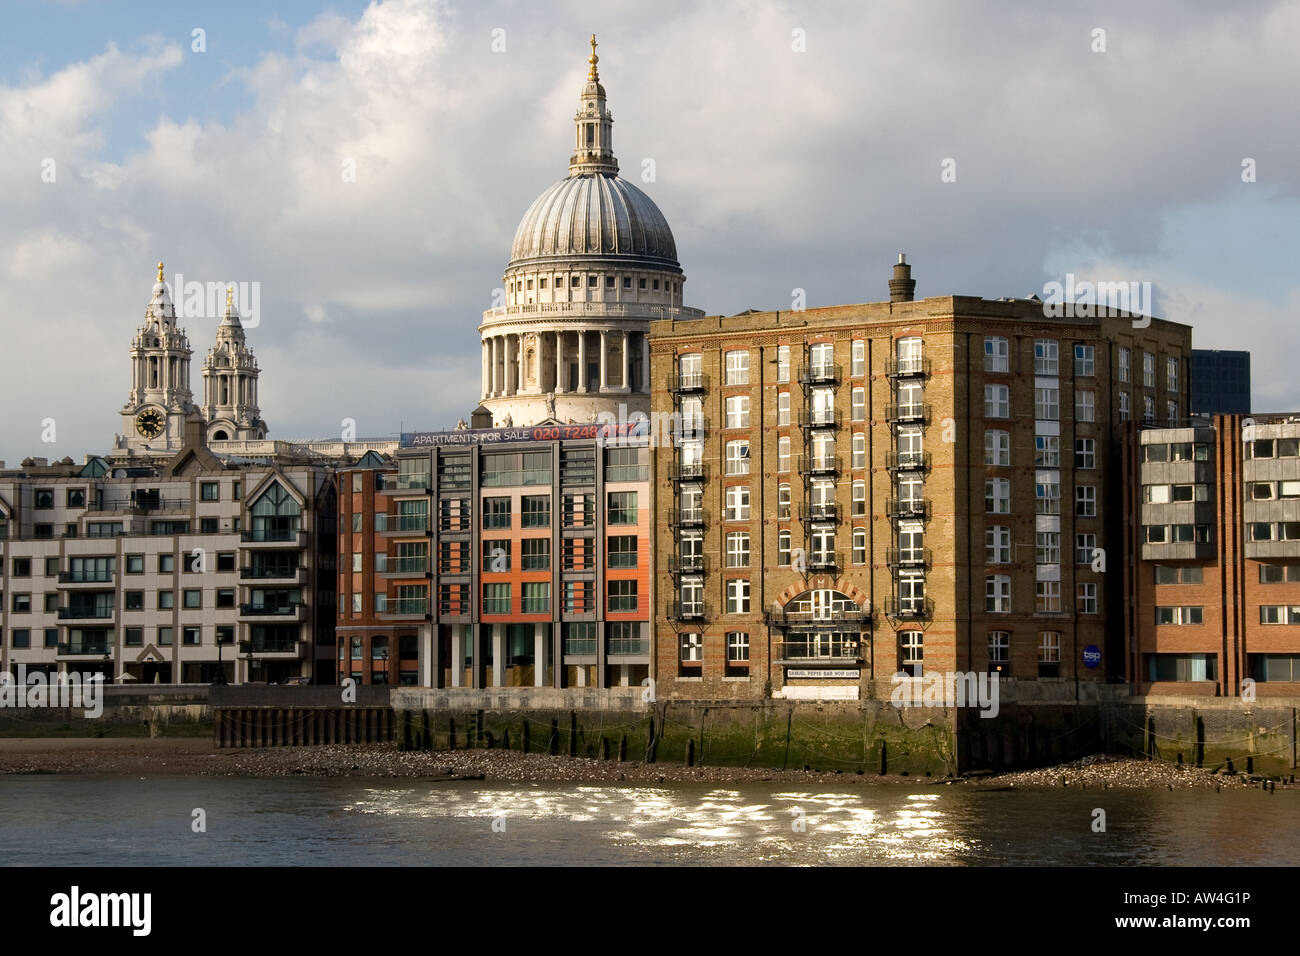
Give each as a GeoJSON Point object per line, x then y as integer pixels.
{"type": "Point", "coordinates": [160, 403]}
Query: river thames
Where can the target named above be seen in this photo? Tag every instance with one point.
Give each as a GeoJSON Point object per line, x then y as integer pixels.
{"type": "Point", "coordinates": [113, 821]}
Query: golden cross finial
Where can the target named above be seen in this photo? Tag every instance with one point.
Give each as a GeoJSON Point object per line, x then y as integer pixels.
{"type": "Point", "coordinates": [230, 291]}
{"type": "Point", "coordinates": [593, 60]}
{"type": "Point", "coordinates": [160, 272]}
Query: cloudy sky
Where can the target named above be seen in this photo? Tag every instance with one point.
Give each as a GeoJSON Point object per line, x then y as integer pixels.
{"type": "Point", "coordinates": [794, 145]}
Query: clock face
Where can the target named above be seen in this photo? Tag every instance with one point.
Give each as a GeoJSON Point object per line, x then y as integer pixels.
{"type": "Point", "coordinates": [150, 423]}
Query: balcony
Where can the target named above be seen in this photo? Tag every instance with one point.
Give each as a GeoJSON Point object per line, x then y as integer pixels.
{"type": "Point", "coordinates": [627, 647]}
{"type": "Point", "coordinates": [908, 557]}
{"type": "Point", "coordinates": [907, 367]}
{"type": "Point", "coordinates": [828, 418]}
{"type": "Point", "coordinates": [685, 382]}
{"type": "Point", "coordinates": [291, 610]}
{"type": "Point", "coordinates": [825, 560]}
{"type": "Point", "coordinates": [686, 564]}
{"type": "Point", "coordinates": [83, 613]}
{"type": "Point", "coordinates": [829, 512]}
{"type": "Point", "coordinates": [690, 428]}
{"type": "Point", "coordinates": [77, 577]}
{"type": "Point", "coordinates": [909, 609]}
{"type": "Point", "coordinates": [454, 523]}
{"type": "Point", "coordinates": [820, 374]}
{"type": "Point", "coordinates": [282, 537]}
{"type": "Point", "coordinates": [819, 651]}
{"type": "Point", "coordinates": [278, 574]}
{"type": "Point", "coordinates": [828, 466]}
{"type": "Point", "coordinates": [693, 518]}
{"type": "Point", "coordinates": [904, 509]}
{"type": "Point", "coordinates": [687, 611]}
{"type": "Point", "coordinates": [417, 481]}
{"type": "Point", "coordinates": [909, 413]}
{"type": "Point", "coordinates": [271, 645]}
{"type": "Point", "coordinates": [404, 608]}
{"type": "Point", "coordinates": [907, 460]}
{"type": "Point", "coordinates": [403, 567]}
{"type": "Point", "coordinates": [822, 619]}
{"type": "Point", "coordinates": [406, 524]}
{"type": "Point", "coordinates": [100, 648]}
{"type": "Point", "coordinates": [687, 471]}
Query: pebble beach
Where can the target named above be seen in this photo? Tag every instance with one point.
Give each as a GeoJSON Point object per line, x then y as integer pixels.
{"type": "Point", "coordinates": [197, 757]}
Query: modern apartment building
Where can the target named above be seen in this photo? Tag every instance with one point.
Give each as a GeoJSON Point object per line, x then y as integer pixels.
{"type": "Point", "coordinates": [189, 570]}
{"type": "Point", "coordinates": [499, 558]}
{"type": "Point", "coordinates": [1213, 559]}
{"type": "Point", "coordinates": [909, 486]}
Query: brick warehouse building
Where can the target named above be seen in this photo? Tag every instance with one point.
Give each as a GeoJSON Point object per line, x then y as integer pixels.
{"type": "Point", "coordinates": [949, 467]}
{"type": "Point", "coordinates": [498, 558]}
{"type": "Point", "coordinates": [1213, 559]}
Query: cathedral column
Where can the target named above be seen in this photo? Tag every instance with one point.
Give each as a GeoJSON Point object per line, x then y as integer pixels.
{"type": "Point", "coordinates": [484, 383]}
{"type": "Point", "coordinates": [582, 360]}
{"type": "Point", "coordinates": [627, 360]}
{"type": "Point", "coordinates": [519, 359]}
{"type": "Point", "coordinates": [559, 363]}
{"type": "Point", "coordinates": [496, 362]}
{"type": "Point", "coordinates": [645, 363]}
{"type": "Point", "coordinates": [604, 359]}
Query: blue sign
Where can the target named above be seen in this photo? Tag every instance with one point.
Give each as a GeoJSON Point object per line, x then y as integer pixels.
{"type": "Point", "coordinates": [1091, 656]}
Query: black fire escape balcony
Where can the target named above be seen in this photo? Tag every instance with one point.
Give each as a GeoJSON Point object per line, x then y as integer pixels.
{"type": "Point", "coordinates": [827, 466]}
{"type": "Point", "coordinates": [820, 418]}
{"type": "Point", "coordinates": [907, 413]}
{"type": "Point", "coordinates": [819, 513]}
{"type": "Point", "coordinates": [685, 382]}
{"type": "Point", "coordinates": [904, 509]}
{"type": "Point", "coordinates": [907, 460]}
{"type": "Point", "coordinates": [907, 367]}
{"type": "Point", "coordinates": [823, 373]}
{"type": "Point", "coordinates": [680, 520]}
{"type": "Point", "coordinates": [908, 558]}
{"type": "Point", "coordinates": [687, 611]}
{"type": "Point", "coordinates": [909, 608]}
{"type": "Point", "coordinates": [686, 564]}
{"type": "Point", "coordinates": [824, 560]}
{"type": "Point", "coordinates": [687, 471]}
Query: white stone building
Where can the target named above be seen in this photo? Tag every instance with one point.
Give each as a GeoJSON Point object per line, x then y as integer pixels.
{"type": "Point", "coordinates": [593, 261]}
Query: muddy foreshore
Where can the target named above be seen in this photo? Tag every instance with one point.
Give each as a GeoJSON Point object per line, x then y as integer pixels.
{"type": "Point", "coordinates": [190, 757]}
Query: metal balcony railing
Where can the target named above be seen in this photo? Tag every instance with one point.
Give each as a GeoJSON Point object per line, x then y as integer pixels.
{"type": "Point", "coordinates": [269, 645]}
{"type": "Point", "coordinates": [85, 613]}
{"type": "Point", "coordinates": [686, 564]}
{"type": "Point", "coordinates": [908, 557]}
{"type": "Point", "coordinates": [907, 508]}
{"type": "Point", "coordinates": [84, 648]}
{"type": "Point", "coordinates": [687, 611]}
{"type": "Point", "coordinates": [288, 609]}
{"type": "Point", "coordinates": [694, 518]}
{"type": "Point", "coordinates": [820, 465]}
{"type": "Point", "coordinates": [270, 534]}
{"type": "Point", "coordinates": [819, 650]}
{"type": "Point", "coordinates": [687, 471]}
{"type": "Point", "coordinates": [825, 373]}
{"type": "Point", "coordinates": [272, 572]}
{"type": "Point", "coordinates": [681, 382]}
{"type": "Point", "coordinates": [907, 413]}
{"type": "Point", "coordinates": [823, 619]}
{"type": "Point", "coordinates": [909, 609]}
{"type": "Point", "coordinates": [85, 577]}
{"type": "Point", "coordinates": [819, 512]}
{"type": "Point", "coordinates": [810, 419]}
{"type": "Point", "coordinates": [825, 560]}
{"type": "Point", "coordinates": [907, 367]}
{"type": "Point", "coordinates": [907, 460]}
{"type": "Point", "coordinates": [407, 524]}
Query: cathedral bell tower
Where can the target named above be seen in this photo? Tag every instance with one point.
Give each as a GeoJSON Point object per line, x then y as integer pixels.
{"type": "Point", "coordinates": [230, 373]}
{"type": "Point", "coordinates": [155, 415]}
